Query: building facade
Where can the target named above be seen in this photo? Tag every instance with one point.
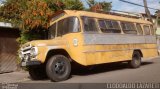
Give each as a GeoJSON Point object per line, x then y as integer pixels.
{"type": "Point", "coordinates": [8, 47]}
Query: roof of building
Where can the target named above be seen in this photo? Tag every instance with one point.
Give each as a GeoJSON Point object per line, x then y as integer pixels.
{"type": "Point", "coordinates": [144, 14]}
{"type": "Point", "coordinates": [6, 25]}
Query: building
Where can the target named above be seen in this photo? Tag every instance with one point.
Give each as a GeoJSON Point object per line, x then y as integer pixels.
{"type": "Point", "coordinates": [154, 18]}
{"type": "Point", "coordinates": [8, 47]}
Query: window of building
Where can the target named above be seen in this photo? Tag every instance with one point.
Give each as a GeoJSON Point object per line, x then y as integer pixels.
{"type": "Point", "coordinates": [109, 26]}
{"type": "Point", "coordinates": [89, 24]}
{"type": "Point", "coordinates": [139, 29]}
{"type": "Point", "coordinates": [128, 28]}
{"type": "Point", "coordinates": [146, 30]}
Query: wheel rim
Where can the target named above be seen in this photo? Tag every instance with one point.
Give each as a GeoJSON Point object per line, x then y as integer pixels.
{"type": "Point", "coordinates": [137, 60]}
{"type": "Point", "coordinates": [59, 68]}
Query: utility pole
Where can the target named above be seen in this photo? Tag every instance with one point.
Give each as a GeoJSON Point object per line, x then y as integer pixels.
{"type": "Point", "coordinates": [147, 11]}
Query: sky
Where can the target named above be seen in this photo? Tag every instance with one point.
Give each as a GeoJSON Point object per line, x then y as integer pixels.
{"type": "Point", "coordinates": [121, 6]}
{"type": "Point", "coordinates": [1, 1]}
{"type": "Point", "coordinates": [118, 5]}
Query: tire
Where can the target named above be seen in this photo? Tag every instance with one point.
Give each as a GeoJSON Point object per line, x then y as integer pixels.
{"type": "Point", "coordinates": [58, 68]}
{"type": "Point", "coordinates": [136, 60]}
{"type": "Point", "coordinates": [37, 73]}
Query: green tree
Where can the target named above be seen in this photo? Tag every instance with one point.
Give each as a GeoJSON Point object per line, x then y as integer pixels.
{"type": "Point", "coordinates": [99, 6]}
{"type": "Point", "coordinates": [74, 5]}
{"type": "Point", "coordinates": [11, 10]}
{"type": "Point", "coordinates": [91, 3]}
{"type": "Point", "coordinates": [32, 16]}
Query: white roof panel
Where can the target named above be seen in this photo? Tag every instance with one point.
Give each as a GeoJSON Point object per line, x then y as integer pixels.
{"type": "Point", "coordinates": [8, 25]}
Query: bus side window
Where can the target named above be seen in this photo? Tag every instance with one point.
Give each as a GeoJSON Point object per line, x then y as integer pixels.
{"type": "Point", "coordinates": [102, 25]}
{"type": "Point", "coordinates": [139, 29]}
{"type": "Point", "coordinates": [52, 31]}
{"type": "Point", "coordinates": [60, 27]}
{"type": "Point", "coordinates": [113, 26]}
{"type": "Point", "coordinates": [152, 30]}
{"type": "Point", "coordinates": [73, 24]}
{"type": "Point", "coordinates": [68, 25]}
{"type": "Point", "coordinates": [146, 30]}
{"type": "Point", "coordinates": [89, 24]}
{"type": "Point", "coordinates": [109, 26]}
{"type": "Point", "coordinates": [128, 28]}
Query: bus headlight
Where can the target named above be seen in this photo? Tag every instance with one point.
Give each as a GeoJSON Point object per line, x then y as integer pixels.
{"type": "Point", "coordinates": [34, 51]}
{"type": "Point", "coordinates": [21, 56]}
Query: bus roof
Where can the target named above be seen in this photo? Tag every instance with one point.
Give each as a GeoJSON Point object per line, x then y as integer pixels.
{"type": "Point", "coordinates": [102, 16]}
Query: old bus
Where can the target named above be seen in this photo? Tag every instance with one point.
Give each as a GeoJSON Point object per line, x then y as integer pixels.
{"type": "Point", "coordinates": [88, 38]}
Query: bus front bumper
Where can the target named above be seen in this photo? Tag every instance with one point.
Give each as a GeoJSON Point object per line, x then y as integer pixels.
{"type": "Point", "coordinates": [30, 63]}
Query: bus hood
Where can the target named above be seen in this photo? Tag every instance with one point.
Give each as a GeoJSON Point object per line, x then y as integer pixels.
{"type": "Point", "coordinates": [39, 43]}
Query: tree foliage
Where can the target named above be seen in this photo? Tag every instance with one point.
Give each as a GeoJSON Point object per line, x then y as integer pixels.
{"type": "Point", "coordinates": [11, 11]}
{"type": "Point", "coordinates": [74, 5]}
{"type": "Point", "coordinates": [32, 16]}
{"type": "Point", "coordinates": [99, 6]}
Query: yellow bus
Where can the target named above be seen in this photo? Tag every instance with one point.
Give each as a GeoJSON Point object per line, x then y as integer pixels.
{"type": "Point", "coordinates": [88, 38]}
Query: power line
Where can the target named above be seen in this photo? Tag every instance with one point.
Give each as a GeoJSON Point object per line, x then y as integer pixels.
{"type": "Point", "coordinates": [137, 4]}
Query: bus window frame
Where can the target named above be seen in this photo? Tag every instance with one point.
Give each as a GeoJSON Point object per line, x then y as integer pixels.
{"type": "Point", "coordinates": [152, 28]}
{"type": "Point", "coordinates": [119, 23]}
{"type": "Point", "coordinates": [98, 19]}
{"type": "Point", "coordinates": [141, 29]}
{"type": "Point", "coordinates": [49, 31]}
{"type": "Point", "coordinates": [144, 30]}
{"type": "Point", "coordinates": [131, 30]}
{"type": "Point", "coordinates": [79, 30]}
{"type": "Point", "coordinates": [82, 24]}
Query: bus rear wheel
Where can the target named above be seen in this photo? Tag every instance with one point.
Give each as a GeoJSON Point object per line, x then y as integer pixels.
{"type": "Point", "coordinates": [58, 68]}
{"type": "Point", "coordinates": [136, 60]}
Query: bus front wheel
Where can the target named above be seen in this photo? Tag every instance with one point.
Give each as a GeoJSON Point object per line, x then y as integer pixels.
{"type": "Point", "coordinates": [136, 60]}
{"type": "Point", "coordinates": [58, 68]}
{"type": "Point", "coordinates": [37, 73]}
